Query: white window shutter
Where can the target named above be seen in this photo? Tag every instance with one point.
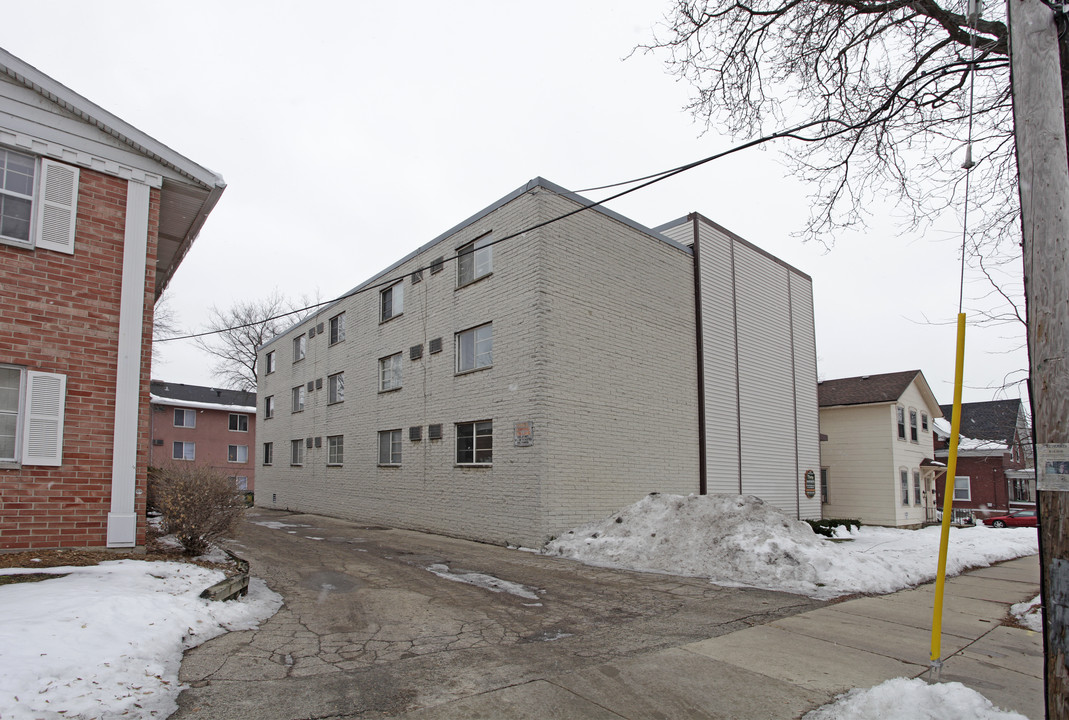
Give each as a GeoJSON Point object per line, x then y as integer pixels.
{"type": "Point", "coordinates": [43, 433]}
{"type": "Point", "coordinates": [57, 207]}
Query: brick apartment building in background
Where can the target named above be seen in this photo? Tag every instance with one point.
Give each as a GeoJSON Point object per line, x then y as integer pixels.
{"type": "Point", "coordinates": [516, 377]}
{"type": "Point", "coordinates": [205, 426]}
{"type": "Point", "coordinates": [95, 217]}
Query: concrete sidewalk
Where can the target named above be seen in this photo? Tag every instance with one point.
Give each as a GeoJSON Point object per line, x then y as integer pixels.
{"type": "Point", "coordinates": [790, 666]}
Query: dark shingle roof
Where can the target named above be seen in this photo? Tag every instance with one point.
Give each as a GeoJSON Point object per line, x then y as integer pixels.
{"type": "Point", "coordinates": [201, 394]}
{"type": "Point", "coordinates": [865, 389]}
{"type": "Point", "coordinates": [989, 420]}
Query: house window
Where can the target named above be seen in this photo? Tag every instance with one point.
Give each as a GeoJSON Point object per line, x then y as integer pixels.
{"type": "Point", "coordinates": [269, 407]}
{"type": "Point", "coordinates": [237, 453]}
{"type": "Point", "coordinates": [242, 483]}
{"type": "Point", "coordinates": [961, 488]}
{"type": "Point", "coordinates": [1020, 490]}
{"type": "Point", "coordinates": [916, 487]}
{"type": "Point", "coordinates": [391, 302]}
{"type": "Point", "coordinates": [390, 447]}
{"type": "Point", "coordinates": [824, 485]}
{"type": "Point", "coordinates": [912, 425]}
{"type": "Point", "coordinates": [924, 422]}
{"type": "Point", "coordinates": [901, 411]}
{"type": "Point", "coordinates": [10, 395]}
{"type": "Point", "coordinates": [335, 449]}
{"type": "Point", "coordinates": [390, 372]}
{"type": "Point", "coordinates": [184, 451]}
{"type": "Point", "coordinates": [336, 388]}
{"type": "Point", "coordinates": [298, 399]}
{"type": "Point", "coordinates": [269, 453]}
{"type": "Point", "coordinates": [475, 443]}
{"type": "Point", "coordinates": [16, 195]}
{"type": "Point", "coordinates": [337, 329]}
{"type": "Point", "coordinates": [296, 452]}
{"type": "Point", "coordinates": [475, 348]}
{"type": "Point", "coordinates": [904, 477]}
{"type": "Point", "coordinates": [270, 358]}
{"type": "Point", "coordinates": [474, 261]}
{"type": "Point", "coordinates": [239, 422]}
{"type": "Point", "coordinates": [300, 347]}
{"type": "Point", "coordinates": [185, 418]}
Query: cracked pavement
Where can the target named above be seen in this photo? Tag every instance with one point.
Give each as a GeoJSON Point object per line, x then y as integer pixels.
{"type": "Point", "coordinates": [369, 630]}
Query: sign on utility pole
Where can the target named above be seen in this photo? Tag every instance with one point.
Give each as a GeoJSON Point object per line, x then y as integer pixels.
{"type": "Point", "coordinates": [1043, 171]}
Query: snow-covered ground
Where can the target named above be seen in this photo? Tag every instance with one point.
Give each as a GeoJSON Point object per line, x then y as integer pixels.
{"type": "Point", "coordinates": [106, 641]}
{"type": "Point", "coordinates": [741, 541]}
{"type": "Point", "coordinates": [904, 699]}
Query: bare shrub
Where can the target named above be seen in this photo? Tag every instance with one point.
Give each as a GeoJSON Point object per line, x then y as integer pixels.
{"type": "Point", "coordinates": [197, 504]}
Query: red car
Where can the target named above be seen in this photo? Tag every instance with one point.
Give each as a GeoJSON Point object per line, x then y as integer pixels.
{"type": "Point", "coordinates": [1020, 518]}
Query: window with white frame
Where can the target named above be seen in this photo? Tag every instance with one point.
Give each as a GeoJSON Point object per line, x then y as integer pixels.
{"type": "Point", "coordinates": [1020, 490]}
{"type": "Point", "coordinates": [475, 443]}
{"type": "Point", "coordinates": [297, 399]}
{"type": "Point", "coordinates": [239, 422]}
{"type": "Point", "coordinates": [37, 211]}
{"type": "Point", "coordinates": [237, 453]}
{"type": "Point", "coordinates": [824, 485]}
{"type": "Point", "coordinates": [962, 491]}
{"type": "Point", "coordinates": [475, 348]}
{"type": "Point", "coordinates": [335, 449]}
{"type": "Point", "coordinates": [270, 360]}
{"type": "Point", "coordinates": [184, 451]}
{"type": "Point", "coordinates": [337, 329]}
{"type": "Point", "coordinates": [269, 407]}
{"type": "Point", "coordinates": [300, 347]}
{"type": "Point", "coordinates": [296, 452]}
{"type": "Point", "coordinates": [31, 416]}
{"type": "Point", "coordinates": [390, 372]}
{"type": "Point", "coordinates": [391, 302]}
{"type": "Point", "coordinates": [269, 453]}
{"type": "Point", "coordinates": [474, 260]}
{"type": "Point", "coordinates": [241, 482]}
{"type": "Point", "coordinates": [912, 425]}
{"type": "Point", "coordinates": [904, 479]}
{"type": "Point", "coordinates": [184, 417]}
{"type": "Point", "coordinates": [336, 388]}
{"type": "Point", "coordinates": [916, 487]}
{"type": "Point", "coordinates": [10, 402]}
{"type": "Point", "coordinates": [924, 422]}
{"type": "Point", "coordinates": [389, 447]}
{"type": "Point", "coordinates": [901, 416]}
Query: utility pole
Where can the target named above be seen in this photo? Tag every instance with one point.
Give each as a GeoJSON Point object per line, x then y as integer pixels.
{"type": "Point", "coordinates": [1043, 172]}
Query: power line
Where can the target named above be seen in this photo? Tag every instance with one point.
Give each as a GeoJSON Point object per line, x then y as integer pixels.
{"type": "Point", "coordinates": [646, 182]}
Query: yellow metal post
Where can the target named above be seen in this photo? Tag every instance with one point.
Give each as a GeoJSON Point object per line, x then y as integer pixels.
{"type": "Point", "coordinates": [948, 501]}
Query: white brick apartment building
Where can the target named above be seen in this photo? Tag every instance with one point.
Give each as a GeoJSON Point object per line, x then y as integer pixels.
{"type": "Point", "coordinates": [505, 386]}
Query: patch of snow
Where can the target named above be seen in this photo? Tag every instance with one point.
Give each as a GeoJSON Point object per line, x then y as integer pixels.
{"type": "Point", "coordinates": [488, 582]}
{"type": "Point", "coordinates": [107, 640]}
{"type": "Point", "coordinates": [738, 540]}
{"type": "Point", "coordinates": [312, 537]}
{"type": "Point", "coordinates": [1029, 614]}
{"type": "Point", "coordinates": [157, 400]}
{"type": "Point", "coordinates": [913, 700]}
{"type": "Point", "coordinates": [276, 525]}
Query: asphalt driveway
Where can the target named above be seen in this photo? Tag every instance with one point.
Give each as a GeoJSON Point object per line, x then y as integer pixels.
{"type": "Point", "coordinates": [378, 622]}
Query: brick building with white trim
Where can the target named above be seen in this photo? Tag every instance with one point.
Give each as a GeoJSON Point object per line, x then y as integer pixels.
{"type": "Point", "coordinates": [95, 217]}
{"type": "Point", "coordinates": [512, 379]}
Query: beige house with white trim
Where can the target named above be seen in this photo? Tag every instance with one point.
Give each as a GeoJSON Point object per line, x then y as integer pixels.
{"type": "Point", "coordinates": [522, 374]}
{"type": "Point", "coordinates": [876, 460]}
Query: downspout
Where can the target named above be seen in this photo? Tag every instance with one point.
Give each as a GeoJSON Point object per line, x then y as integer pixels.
{"type": "Point", "coordinates": [699, 331]}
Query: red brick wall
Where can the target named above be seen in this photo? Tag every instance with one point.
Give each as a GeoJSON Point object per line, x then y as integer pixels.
{"type": "Point", "coordinates": [987, 483]}
{"type": "Point", "coordinates": [61, 315]}
{"type": "Point", "coordinates": [213, 437]}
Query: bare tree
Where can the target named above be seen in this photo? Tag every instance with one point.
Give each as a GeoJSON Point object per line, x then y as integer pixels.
{"type": "Point", "coordinates": [164, 324]}
{"type": "Point", "coordinates": [238, 331]}
{"type": "Point", "coordinates": [887, 84]}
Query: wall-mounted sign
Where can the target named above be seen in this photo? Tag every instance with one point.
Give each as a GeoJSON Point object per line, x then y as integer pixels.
{"type": "Point", "coordinates": [524, 434]}
{"type": "Point", "coordinates": [810, 483]}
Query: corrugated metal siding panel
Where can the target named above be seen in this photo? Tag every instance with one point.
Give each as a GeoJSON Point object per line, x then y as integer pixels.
{"type": "Point", "coordinates": [718, 336]}
{"type": "Point", "coordinates": [682, 233]}
{"type": "Point", "coordinates": [766, 379]}
{"type": "Point", "coordinates": [805, 382]}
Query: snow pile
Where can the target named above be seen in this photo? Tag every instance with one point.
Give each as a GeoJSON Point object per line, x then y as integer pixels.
{"type": "Point", "coordinates": [742, 541]}
{"type": "Point", "coordinates": [107, 640]}
{"type": "Point", "coordinates": [915, 699]}
{"type": "Point", "coordinates": [488, 582]}
{"type": "Point", "coordinates": [1029, 614]}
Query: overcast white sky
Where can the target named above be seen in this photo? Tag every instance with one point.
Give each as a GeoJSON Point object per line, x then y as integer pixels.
{"type": "Point", "coordinates": [350, 133]}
